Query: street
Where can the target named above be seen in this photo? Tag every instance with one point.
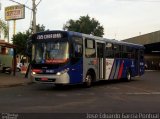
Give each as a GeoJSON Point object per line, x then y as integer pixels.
{"type": "Point", "coordinates": [140, 95]}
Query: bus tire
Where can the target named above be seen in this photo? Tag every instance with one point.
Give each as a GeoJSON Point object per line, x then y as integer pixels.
{"type": "Point", "coordinates": [128, 75]}
{"type": "Point", "coordinates": [88, 80]}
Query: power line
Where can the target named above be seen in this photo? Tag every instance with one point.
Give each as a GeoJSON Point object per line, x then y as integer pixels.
{"type": "Point", "coordinates": [20, 4]}
{"type": "Point", "coordinates": [39, 2]}
{"type": "Point", "coordinates": [26, 2]}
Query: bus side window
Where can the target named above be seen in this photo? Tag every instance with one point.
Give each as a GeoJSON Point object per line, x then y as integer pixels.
{"type": "Point", "coordinates": [124, 52]}
{"type": "Point", "coordinates": [90, 51]}
{"type": "Point", "coordinates": [78, 52]}
{"type": "Point", "coordinates": [130, 52]}
{"type": "Point", "coordinates": [109, 50]}
{"type": "Point", "coordinates": [141, 55]}
{"type": "Point", "coordinates": [117, 51]}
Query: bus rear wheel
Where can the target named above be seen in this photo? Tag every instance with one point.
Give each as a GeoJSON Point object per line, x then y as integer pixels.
{"type": "Point", "coordinates": [88, 80]}
{"type": "Point", "coordinates": [128, 76]}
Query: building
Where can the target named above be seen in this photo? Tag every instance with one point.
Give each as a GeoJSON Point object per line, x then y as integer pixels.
{"type": "Point", "coordinates": [7, 56]}
{"type": "Point", "coordinates": [151, 41]}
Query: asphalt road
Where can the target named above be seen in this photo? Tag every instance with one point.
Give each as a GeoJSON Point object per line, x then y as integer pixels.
{"type": "Point", "coordinates": [140, 95]}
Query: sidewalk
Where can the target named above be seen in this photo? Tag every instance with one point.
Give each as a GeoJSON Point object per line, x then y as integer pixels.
{"type": "Point", "coordinates": [8, 80]}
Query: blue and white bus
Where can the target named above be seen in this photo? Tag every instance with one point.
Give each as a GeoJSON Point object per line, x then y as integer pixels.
{"type": "Point", "coordinates": [66, 57]}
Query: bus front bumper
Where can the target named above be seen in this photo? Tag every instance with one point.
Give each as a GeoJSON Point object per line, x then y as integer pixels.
{"type": "Point", "coordinates": [51, 78]}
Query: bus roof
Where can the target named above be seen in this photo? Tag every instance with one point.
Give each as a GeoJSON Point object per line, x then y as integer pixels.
{"type": "Point", "coordinates": [106, 40]}
{"type": "Point", "coordinates": [71, 33]}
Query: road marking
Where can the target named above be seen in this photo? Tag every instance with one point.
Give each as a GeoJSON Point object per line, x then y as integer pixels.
{"type": "Point", "coordinates": [156, 93]}
{"type": "Point", "coordinates": [135, 93]}
{"type": "Point", "coordinates": [144, 93]}
{"type": "Point", "coordinates": [61, 95]}
{"type": "Point", "coordinates": [139, 93]}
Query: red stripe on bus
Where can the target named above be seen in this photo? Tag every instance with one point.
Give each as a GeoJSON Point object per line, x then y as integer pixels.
{"type": "Point", "coordinates": [121, 70]}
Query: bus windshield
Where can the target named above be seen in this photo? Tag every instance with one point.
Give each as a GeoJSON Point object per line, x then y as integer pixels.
{"type": "Point", "coordinates": [51, 52]}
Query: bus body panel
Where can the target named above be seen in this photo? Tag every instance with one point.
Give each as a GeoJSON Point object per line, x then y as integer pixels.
{"type": "Point", "coordinates": [89, 64]}
{"type": "Point", "coordinates": [76, 72]}
{"type": "Point", "coordinates": [109, 66]}
{"type": "Point", "coordinates": [45, 78]}
{"type": "Point", "coordinates": [117, 68]}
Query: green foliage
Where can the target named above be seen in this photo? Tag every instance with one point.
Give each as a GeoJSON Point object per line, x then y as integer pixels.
{"type": "Point", "coordinates": [21, 39]}
{"type": "Point", "coordinates": [40, 28]}
{"type": "Point", "coordinates": [4, 28]}
{"type": "Point", "coordinates": [85, 25]}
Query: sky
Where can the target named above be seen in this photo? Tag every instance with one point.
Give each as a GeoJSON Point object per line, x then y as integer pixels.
{"type": "Point", "coordinates": [121, 19]}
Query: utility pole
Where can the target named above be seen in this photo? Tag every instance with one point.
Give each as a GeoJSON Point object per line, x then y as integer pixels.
{"type": "Point", "coordinates": [34, 8]}
{"type": "Point", "coordinates": [8, 30]}
{"type": "Point", "coordinates": [0, 10]}
{"type": "Point", "coordinates": [0, 5]}
{"type": "Point", "coordinates": [34, 16]}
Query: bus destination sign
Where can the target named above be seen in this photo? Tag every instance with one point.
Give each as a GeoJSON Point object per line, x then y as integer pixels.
{"type": "Point", "coordinates": [49, 36]}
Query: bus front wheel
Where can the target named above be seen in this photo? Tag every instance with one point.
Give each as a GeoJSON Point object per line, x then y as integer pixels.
{"type": "Point", "coordinates": [88, 80]}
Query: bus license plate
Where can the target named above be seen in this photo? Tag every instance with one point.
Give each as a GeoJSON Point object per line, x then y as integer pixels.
{"type": "Point", "coordinates": [44, 79]}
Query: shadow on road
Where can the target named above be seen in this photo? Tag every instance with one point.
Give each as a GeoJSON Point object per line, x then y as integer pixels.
{"type": "Point", "coordinates": [52, 87]}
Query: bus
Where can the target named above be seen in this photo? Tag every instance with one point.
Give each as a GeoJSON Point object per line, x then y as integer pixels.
{"type": "Point", "coordinates": [67, 57]}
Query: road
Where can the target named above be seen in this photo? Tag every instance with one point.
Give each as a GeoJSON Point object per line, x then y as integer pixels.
{"type": "Point", "coordinates": [140, 95]}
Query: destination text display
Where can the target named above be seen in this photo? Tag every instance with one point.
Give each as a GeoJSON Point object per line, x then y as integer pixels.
{"type": "Point", "coordinates": [49, 36]}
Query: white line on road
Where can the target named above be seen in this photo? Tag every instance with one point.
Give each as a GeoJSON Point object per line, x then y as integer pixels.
{"type": "Point", "coordinates": [135, 93]}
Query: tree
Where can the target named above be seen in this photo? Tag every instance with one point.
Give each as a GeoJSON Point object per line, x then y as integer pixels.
{"type": "Point", "coordinates": [21, 39]}
{"type": "Point", "coordinates": [4, 28]}
{"type": "Point", "coordinates": [86, 25]}
{"type": "Point", "coordinates": [39, 28]}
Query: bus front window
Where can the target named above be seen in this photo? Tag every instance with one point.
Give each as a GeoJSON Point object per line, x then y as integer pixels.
{"type": "Point", "coordinates": [51, 52]}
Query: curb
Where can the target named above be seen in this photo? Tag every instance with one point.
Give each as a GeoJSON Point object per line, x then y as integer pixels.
{"type": "Point", "coordinates": [16, 84]}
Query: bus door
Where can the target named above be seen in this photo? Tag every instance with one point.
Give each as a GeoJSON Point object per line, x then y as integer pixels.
{"type": "Point", "coordinates": [141, 62]}
{"type": "Point", "coordinates": [100, 60]}
{"type": "Point", "coordinates": [137, 61]}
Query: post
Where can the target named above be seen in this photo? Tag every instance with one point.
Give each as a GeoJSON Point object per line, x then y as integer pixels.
{"type": "Point", "coordinates": [14, 27]}
{"type": "Point", "coordinates": [14, 61]}
{"type": "Point", "coordinates": [33, 31]}
{"type": "Point", "coordinates": [8, 30]}
{"type": "Point", "coordinates": [0, 5]}
{"type": "Point", "coordinates": [34, 16]}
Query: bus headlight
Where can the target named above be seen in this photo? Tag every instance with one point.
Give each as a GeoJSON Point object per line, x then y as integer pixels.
{"type": "Point", "coordinates": [62, 72]}
{"type": "Point", "coordinates": [33, 73]}
{"type": "Point", "coordinates": [36, 71]}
